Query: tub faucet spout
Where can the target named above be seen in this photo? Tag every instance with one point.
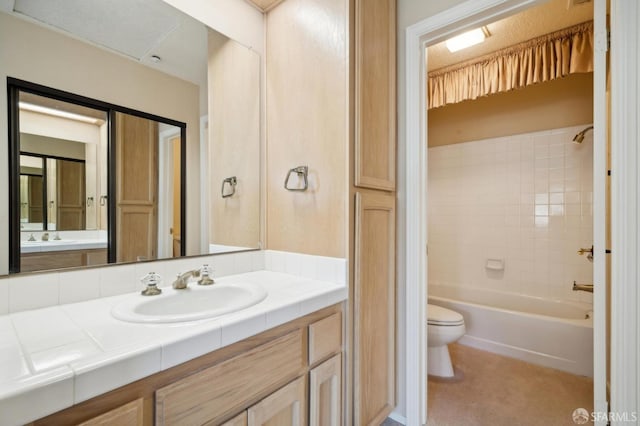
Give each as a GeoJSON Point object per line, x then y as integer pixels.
{"type": "Point", "coordinates": [582, 287]}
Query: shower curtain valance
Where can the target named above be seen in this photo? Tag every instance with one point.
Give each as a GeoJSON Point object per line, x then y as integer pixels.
{"type": "Point", "coordinates": [544, 58]}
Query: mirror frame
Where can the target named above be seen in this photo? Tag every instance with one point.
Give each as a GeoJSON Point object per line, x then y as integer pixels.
{"type": "Point", "coordinates": [14, 86]}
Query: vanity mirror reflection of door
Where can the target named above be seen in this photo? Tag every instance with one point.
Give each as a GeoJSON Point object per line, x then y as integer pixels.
{"type": "Point", "coordinates": [91, 183]}
{"type": "Point", "coordinates": [137, 188]}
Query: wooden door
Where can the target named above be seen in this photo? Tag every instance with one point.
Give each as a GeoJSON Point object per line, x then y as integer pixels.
{"type": "Point", "coordinates": [285, 407]}
{"type": "Point", "coordinates": [176, 232]}
{"type": "Point", "coordinates": [70, 195]}
{"type": "Point", "coordinates": [34, 196]}
{"type": "Point", "coordinates": [325, 396]}
{"type": "Point", "coordinates": [374, 308]}
{"type": "Point", "coordinates": [136, 188]}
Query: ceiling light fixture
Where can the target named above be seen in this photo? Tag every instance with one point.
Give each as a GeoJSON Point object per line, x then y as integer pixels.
{"type": "Point", "coordinates": [470, 38]}
{"type": "Point", "coordinates": [25, 106]}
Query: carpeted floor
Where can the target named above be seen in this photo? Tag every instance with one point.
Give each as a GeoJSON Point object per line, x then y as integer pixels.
{"type": "Point", "coordinates": [490, 389]}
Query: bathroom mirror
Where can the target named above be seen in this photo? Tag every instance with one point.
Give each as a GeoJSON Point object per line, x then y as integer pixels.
{"type": "Point", "coordinates": [145, 57]}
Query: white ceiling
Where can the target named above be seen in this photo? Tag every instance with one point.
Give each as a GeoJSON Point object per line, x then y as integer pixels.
{"type": "Point", "coordinates": [136, 29]}
{"type": "Point", "coordinates": [536, 21]}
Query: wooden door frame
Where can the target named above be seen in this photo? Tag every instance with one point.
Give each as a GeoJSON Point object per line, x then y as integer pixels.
{"type": "Point", "coordinates": [467, 15]}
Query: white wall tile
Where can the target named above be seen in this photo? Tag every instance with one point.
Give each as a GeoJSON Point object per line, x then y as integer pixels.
{"type": "Point", "coordinates": [119, 279]}
{"type": "Point", "coordinates": [78, 286]}
{"type": "Point", "coordinates": [32, 291]}
{"type": "Point", "coordinates": [521, 197]}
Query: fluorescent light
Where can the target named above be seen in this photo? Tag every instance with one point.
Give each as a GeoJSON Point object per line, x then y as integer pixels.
{"type": "Point", "coordinates": [58, 113]}
{"type": "Point", "coordinates": [464, 40]}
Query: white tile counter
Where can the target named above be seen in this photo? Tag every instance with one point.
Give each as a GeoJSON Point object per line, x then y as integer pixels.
{"type": "Point", "coordinates": [61, 245]}
{"type": "Point", "coordinates": [58, 356]}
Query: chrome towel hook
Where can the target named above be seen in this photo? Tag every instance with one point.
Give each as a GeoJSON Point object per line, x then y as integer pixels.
{"type": "Point", "coordinates": [232, 181]}
{"type": "Point", "coordinates": [300, 170]}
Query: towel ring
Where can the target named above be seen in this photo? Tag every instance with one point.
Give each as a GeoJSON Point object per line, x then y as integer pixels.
{"type": "Point", "coordinates": [300, 170]}
{"type": "Point", "coordinates": [232, 181]}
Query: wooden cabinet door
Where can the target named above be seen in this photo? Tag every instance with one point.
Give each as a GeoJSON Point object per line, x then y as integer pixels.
{"type": "Point", "coordinates": [239, 420]}
{"type": "Point", "coordinates": [325, 396]}
{"type": "Point", "coordinates": [136, 188]}
{"type": "Point", "coordinates": [285, 407]}
{"type": "Point", "coordinates": [374, 308]}
{"type": "Point", "coordinates": [375, 103]}
{"type": "Point", "coordinates": [131, 414]}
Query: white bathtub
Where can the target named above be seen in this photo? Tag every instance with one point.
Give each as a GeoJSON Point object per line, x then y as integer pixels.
{"type": "Point", "coordinates": [545, 332]}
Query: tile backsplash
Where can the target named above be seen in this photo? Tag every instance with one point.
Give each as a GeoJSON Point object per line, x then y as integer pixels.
{"type": "Point", "coordinates": [524, 199]}
{"type": "Point", "coordinates": [38, 290]}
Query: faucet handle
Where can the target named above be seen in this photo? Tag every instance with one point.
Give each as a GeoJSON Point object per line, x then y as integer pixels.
{"type": "Point", "coordinates": [205, 275]}
{"type": "Point", "coordinates": [151, 281]}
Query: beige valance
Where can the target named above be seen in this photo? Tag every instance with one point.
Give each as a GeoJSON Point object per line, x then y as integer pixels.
{"type": "Point", "coordinates": [544, 58]}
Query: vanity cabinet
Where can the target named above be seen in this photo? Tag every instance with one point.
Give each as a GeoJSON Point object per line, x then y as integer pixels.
{"type": "Point", "coordinates": [39, 261]}
{"type": "Point", "coordinates": [268, 379]}
{"type": "Point", "coordinates": [222, 390]}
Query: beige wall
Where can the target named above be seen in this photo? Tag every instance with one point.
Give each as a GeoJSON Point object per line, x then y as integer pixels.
{"type": "Point", "coordinates": [307, 125]}
{"type": "Point", "coordinates": [51, 146]}
{"type": "Point", "coordinates": [559, 103]}
{"type": "Point", "coordinates": [31, 53]}
{"type": "Point", "coordinates": [234, 142]}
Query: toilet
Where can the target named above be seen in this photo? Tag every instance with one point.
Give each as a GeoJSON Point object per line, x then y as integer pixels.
{"type": "Point", "coordinates": [444, 326]}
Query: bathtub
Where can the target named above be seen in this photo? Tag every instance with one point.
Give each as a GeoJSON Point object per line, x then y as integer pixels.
{"type": "Point", "coordinates": [544, 332]}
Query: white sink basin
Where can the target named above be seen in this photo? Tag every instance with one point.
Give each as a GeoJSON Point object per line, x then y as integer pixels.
{"type": "Point", "coordinates": [193, 303]}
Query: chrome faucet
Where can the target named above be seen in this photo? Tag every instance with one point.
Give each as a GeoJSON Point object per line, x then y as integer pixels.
{"type": "Point", "coordinates": [182, 280]}
{"type": "Point", "coordinates": [582, 287]}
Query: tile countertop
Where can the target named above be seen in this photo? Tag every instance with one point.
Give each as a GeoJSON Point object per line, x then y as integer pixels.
{"type": "Point", "coordinates": [55, 357]}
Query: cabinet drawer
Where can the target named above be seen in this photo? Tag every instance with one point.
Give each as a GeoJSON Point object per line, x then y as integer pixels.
{"type": "Point", "coordinates": [325, 338]}
{"type": "Point", "coordinates": [128, 414]}
{"type": "Point", "coordinates": [228, 387]}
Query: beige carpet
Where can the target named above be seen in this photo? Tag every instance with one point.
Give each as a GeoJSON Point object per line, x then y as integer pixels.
{"type": "Point", "coordinates": [495, 390]}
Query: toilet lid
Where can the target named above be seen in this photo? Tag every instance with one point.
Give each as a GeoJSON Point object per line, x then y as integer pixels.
{"type": "Point", "coordinates": [437, 315]}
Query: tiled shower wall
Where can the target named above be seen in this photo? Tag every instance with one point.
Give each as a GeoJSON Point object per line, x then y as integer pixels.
{"type": "Point", "coordinates": [524, 199]}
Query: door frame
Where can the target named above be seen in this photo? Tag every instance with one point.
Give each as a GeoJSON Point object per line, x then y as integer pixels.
{"type": "Point", "coordinates": [625, 208]}
{"type": "Point", "coordinates": [467, 15]}
{"type": "Point", "coordinates": [165, 191]}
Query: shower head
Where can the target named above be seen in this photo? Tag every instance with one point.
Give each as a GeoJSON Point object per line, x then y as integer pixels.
{"type": "Point", "coordinates": [580, 136]}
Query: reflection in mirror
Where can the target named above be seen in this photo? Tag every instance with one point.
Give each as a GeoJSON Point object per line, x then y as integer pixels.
{"type": "Point", "coordinates": [140, 220]}
{"type": "Point", "coordinates": [234, 153]}
{"type": "Point", "coordinates": [57, 184]}
{"type": "Point", "coordinates": [157, 60]}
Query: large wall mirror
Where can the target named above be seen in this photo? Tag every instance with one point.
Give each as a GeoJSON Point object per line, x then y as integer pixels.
{"type": "Point", "coordinates": [134, 134]}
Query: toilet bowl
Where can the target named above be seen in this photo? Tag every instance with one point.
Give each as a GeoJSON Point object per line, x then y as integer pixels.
{"type": "Point", "coordinates": [444, 326]}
